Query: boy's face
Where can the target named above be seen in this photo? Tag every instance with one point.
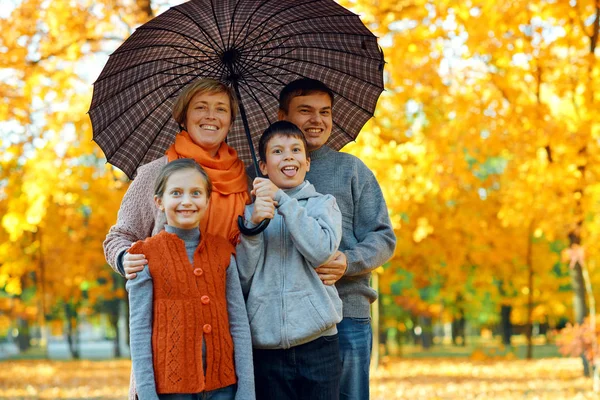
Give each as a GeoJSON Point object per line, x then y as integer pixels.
{"type": "Point", "coordinates": [312, 114]}
{"type": "Point", "coordinates": [286, 163]}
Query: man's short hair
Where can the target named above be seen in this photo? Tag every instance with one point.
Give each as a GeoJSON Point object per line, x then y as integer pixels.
{"type": "Point", "coordinates": [301, 87]}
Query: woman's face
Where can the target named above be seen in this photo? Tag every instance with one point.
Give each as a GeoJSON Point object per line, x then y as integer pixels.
{"type": "Point", "coordinates": [208, 120]}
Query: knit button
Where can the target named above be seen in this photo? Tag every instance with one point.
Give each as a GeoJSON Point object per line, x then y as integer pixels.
{"type": "Point", "coordinates": [207, 328]}
{"type": "Point", "coordinates": [205, 299]}
{"type": "Point", "coordinates": [198, 271]}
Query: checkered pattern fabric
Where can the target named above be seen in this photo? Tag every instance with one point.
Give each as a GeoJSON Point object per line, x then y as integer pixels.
{"type": "Point", "coordinates": [277, 41]}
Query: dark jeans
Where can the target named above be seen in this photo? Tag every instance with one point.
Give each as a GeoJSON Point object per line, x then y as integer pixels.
{"type": "Point", "coordinates": [356, 341]}
{"type": "Point", "coordinates": [310, 371]}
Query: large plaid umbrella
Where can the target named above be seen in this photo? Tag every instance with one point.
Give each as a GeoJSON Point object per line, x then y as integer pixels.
{"type": "Point", "coordinates": [256, 46]}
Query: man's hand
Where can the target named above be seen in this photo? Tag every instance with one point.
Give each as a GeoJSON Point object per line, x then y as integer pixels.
{"type": "Point", "coordinates": [331, 272]}
{"type": "Point", "coordinates": [133, 263]}
{"type": "Point", "coordinates": [264, 204]}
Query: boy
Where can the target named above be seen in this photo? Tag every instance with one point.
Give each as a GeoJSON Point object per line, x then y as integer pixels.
{"type": "Point", "coordinates": [368, 238]}
{"type": "Point", "coordinates": [292, 315]}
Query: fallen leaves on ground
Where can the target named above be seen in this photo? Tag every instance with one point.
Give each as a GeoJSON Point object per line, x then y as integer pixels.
{"type": "Point", "coordinates": [450, 378]}
{"type": "Point", "coordinates": [64, 379]}
{"type": "Point", "coordinates": [550, 378]}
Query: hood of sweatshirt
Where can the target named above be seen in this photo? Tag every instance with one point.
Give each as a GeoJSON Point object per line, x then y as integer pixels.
{"type": "Point", "coordinates": [303, 191]}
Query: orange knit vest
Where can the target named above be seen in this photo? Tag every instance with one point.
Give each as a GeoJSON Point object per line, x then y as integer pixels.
{"type": "Point", "coordinates": [189, 303]}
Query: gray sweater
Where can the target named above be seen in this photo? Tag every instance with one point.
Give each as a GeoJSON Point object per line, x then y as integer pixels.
{"type": "Point", "coordinates": [368, 238]}
{"type": "Point", "coordinates": [140, 325]}
{"type": "Point", "coordinates": [287, 303]}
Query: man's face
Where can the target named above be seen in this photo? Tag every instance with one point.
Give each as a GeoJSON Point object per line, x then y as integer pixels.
{"type": "Point", "coordinates": [312, 114]}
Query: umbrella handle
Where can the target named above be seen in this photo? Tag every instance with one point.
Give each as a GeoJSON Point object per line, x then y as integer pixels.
{"type": "Point", "coordinates": [252, 231]}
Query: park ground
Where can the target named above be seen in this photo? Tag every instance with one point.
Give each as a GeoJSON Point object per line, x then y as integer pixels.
{"type": "Point", "coordinates": [480, 375]}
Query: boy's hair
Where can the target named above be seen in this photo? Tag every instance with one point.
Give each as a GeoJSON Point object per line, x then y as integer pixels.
{"type": "Point", "coordinates": [301, 87]}
{"type": "Point", "coordinates": [203, 85]}
{"type": "Point", "coordinates": [283, 128]}
{"type": "Point", "coordinates": [179, 165]}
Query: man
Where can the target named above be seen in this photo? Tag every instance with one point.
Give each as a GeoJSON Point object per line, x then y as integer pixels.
{"type": "Point", "coordinates": [368, 238]}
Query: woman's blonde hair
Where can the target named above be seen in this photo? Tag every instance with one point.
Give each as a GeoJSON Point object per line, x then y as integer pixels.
{"type": "Point", "coordinates": [202, 85]}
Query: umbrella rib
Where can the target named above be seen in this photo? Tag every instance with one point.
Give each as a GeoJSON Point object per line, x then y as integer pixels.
{"type": "Point", "coordinates": [339, 94]}
{"type": "Point", "coordinates": [165, 72]}
{"type": "Point", "coordinates": [146, 95]}
{"type": "Point", "coordinates": [209, 61]}
{"type": "Point", "coordinates": [247, 24]}
{"type": "Point", "coordinates": [256, 60]}
{"type": "Point", "coordinates": [169, 46]}
{"type": "Point", "coordinates": [263, 24]}
{"type": "Point", "coordinates": [250, 93]}
{"type": "Point", "coordinates": [278, 27]}
{"type": "Point", "coordinates": [206, 35]}
{"type": "Point", "coordinates": [158, 131]}
{"type": "Point", "coordinates": [352, 138]}
{"type": "Point", "coordinates": [330, 68]}
{"type": "Point", "coordinates": [320, 48]}
{"type": "Point", "coordinates": [291, 35]}
{"type": "Point", "coordinates": [229, 34]}
{"type": "Point", "coordinates": [261, 82]}
{"type": "Point", "coordinates": [212, 8]}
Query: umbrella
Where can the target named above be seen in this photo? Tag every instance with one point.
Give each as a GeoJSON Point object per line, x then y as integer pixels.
{"type": "Point", "coordinates": [256, 46]}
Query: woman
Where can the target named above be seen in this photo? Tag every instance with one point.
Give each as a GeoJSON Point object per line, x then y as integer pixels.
{"type": "Point", "coordinates": [204, 110]}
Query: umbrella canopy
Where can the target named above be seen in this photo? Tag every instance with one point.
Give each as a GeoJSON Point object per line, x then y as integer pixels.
{"type": "Point", "coordinates": [255, 46]}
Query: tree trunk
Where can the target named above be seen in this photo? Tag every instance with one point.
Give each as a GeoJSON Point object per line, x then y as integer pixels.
{"type": "Point", "coordinates": [72, 330]}
{"type": "Point", "coordinates": [113, 318]}
{"type": "Point", "coordinates": [24, 337]}
{"type": "Point", "coordinates": [458, 329]}
{"type": "Point", "coordinates": [426, 332]}
{"type": "Point", "coordinates": [580, 307]}
{"type": "Point", "coordinates": [505, 312]}
{"type": "Point", "coordinates": [529, 258]}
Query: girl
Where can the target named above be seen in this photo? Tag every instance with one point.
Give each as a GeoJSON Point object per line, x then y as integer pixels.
{"type": "Point", "coordinates": [190, 337]}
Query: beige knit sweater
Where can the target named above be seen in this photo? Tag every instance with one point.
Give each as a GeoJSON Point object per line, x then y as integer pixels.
{"type": "Point", "coordinates": [138, 217]}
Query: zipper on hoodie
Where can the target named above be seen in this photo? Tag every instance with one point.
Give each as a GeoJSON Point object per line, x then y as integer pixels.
{"type": "Point", "coordinates": [284, 334]}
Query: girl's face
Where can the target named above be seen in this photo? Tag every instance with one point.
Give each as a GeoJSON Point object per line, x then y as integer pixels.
{"type": "Point", "coordinates": [208, 120]}
{"type": "Point", "coordinates": [185, 199]}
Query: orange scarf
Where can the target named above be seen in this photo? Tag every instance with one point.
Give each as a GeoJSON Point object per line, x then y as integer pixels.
{"type": "Point", "coordinates": [230, 185]}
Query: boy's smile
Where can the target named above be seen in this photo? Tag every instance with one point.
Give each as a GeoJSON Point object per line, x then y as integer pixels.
{"type": "Point", "coordinates": [286, 163]}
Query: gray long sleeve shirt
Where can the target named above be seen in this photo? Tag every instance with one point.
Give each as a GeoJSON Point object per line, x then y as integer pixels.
{"type": "Point", "coordinates": [368, 238]}
{"type": "Point", "coordinates": [140, 322]}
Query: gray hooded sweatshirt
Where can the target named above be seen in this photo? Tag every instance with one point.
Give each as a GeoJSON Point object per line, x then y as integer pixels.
{"type": "Point", "coordinates": [287, 303]}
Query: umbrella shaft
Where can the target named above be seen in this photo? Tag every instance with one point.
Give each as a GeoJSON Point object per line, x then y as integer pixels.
{"type": "Point", "coordinates": [246, 128]}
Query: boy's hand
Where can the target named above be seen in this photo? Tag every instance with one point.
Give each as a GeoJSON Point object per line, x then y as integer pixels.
{"type": "Point", "coordinates": [263, 187]}
{"type": "Point", "coordinates": [264, 205]}
{"type": "Point", "coordinates": [331, 272]}
{"type": "Point", "coordinates": [133, 263]}
{"type": "Point", "coordinates": [264, 208]}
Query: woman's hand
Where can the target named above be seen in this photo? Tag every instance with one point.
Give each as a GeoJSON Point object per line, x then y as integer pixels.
{"type": "Point", "coordinates": [133, 263]}
{"type": "Point", "coordinates": [264, 204]}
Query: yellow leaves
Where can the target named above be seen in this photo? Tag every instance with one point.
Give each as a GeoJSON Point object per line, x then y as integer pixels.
{"type": "Point", "coordinates": [423, 230]}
